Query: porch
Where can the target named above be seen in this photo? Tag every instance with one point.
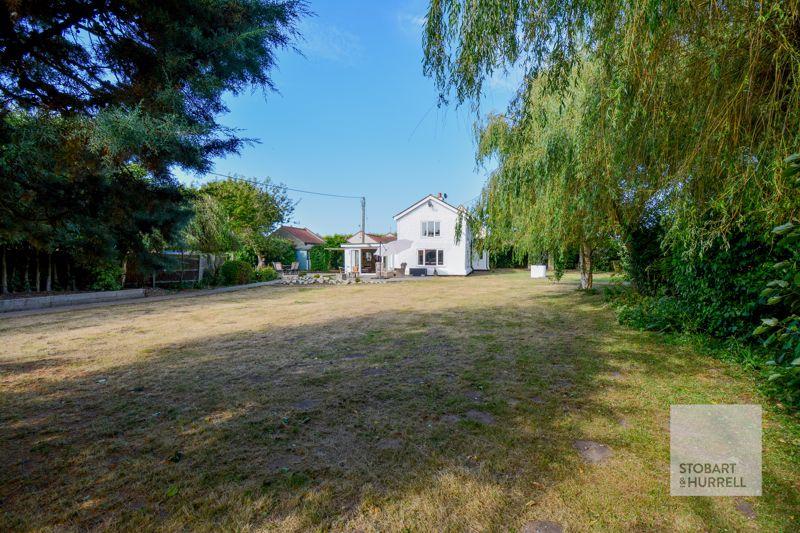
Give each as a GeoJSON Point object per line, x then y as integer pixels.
{"type": "Point", "coordinates": [366, 258]}
{"type": "Point", "coordinates": [360, 259]}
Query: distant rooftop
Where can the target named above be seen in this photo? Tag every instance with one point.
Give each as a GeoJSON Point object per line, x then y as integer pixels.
{"type": "Point", "coordinates": [302, 234]}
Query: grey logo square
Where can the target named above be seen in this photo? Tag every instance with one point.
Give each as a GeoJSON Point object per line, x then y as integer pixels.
{"type": "Point", "coordinates": [715, 450]}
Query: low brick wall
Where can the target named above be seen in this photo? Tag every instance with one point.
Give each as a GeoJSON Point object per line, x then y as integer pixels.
{"type": "Point", "coordinates": [59, 300]}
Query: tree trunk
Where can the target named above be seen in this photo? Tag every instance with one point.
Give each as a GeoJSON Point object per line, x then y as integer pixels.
{"type": "Point", "coordinates": [124, 270]}
{"type": "Point", "coordinates": [550, 262]}
{"type": "Point", "coordinates": [55, 274]}
{"type": "Point", "coordinates": [48, 286]}
{"type": "Point", "coordinates": [5, 273]}
{"type": "Point", "coordinates": [27, 281]}
{"type": "Point", "coordinates": [38, 273]}
{"type": "Point", "coordinates": [261, 262]}
{"type": "Point", "coordinates": [585, 261]}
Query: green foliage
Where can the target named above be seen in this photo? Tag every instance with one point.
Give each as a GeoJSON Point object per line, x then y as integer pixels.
{"type": "Point", "coordinates": [107, 278]}
{"type": "Point", "coordinates": [559, 264]}
{"type": "Point", "coordinates": [681, 290]}
{"type": "Point", "coordinates": [278, 249]}
{"type": "Point", "coordinates": [235, 272]}
{"type": "Point", "coordinates": [506, 258]}
{"type": "Point", "coordinates": [606, 253]}
{"type": "Point", "coordinates": [210, 230]}
{"type": "Point", "coordinates": [250, 211]}
{"type": "Point", "coordinates": [653, 313]}
{"type": "Point", "coordinates": [782, 297]}
{"type": "Point", "coordinates": [322, 259]}
{"type": "Point", "coordinates": [101, 101]}
{"type": "Point", "coordinates": [157, 72]}
{"type": "Point", "coordinates": [676, 103]}
{"type": "Point", "coordinates": [265, 274]}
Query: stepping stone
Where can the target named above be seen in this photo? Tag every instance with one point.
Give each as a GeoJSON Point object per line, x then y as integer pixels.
{"type": "Point", "coordinates": [374, 372]}
{"type": "Point", "coordinates": [616, 374]}
{"type": "Point", "coordinates": [542, 526]}
{"type": "Point", "coordinates": [305, 405]}
{"type": "Point", "coordinates": [474, 395]}
{"type": "Point", "coordinates": [480, 417]}
{"type": "Point", "coordinates": [450, 419]}
{"type": "Point", "coordinates": [390, 444]}
{"type": "Point", "coordinates": [354, 356]}
{"type": "Point", "coordinates": [537, 400]}
{"type": "Point", "coordinates": [746, 508]}
{"type": "Point", "coordinates": [593, 452]}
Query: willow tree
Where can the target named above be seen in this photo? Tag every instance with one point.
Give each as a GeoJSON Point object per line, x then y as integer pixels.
{"type": "Point", "coordinates": [688, 106]}
{"type": "Point", "coordinates": [544, 195]}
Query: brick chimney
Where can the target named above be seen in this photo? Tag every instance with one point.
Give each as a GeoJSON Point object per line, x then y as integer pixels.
{"type": "Point", "coordinates": [439, 196]}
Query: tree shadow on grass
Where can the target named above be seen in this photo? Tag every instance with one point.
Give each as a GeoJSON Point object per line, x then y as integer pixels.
{"type": "Point", "coordinates": [455, 418]}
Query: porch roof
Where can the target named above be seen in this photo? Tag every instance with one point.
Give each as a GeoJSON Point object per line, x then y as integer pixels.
{"type": "Point", "coordinates": [359, 245]}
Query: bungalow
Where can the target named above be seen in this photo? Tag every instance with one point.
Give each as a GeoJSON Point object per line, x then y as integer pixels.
{"type": "Point", "coordinates": [425, 242]}
{"type": "Point", "coordinates": [361, 254]}
{"type": "Point", "coordinates": [303, 240]}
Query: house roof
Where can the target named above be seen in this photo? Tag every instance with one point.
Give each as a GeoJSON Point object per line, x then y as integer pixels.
{"type": "Point", "coordinates": [304, 235]}
{"type": "Point", "coordinates": [372, 238]}
{"type": "Point", "coordinates": [383, 239]}
{"type": "Point", "coordinates": [429, 197]}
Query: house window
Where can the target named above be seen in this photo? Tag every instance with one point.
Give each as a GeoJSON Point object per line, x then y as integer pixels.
{"type": "Point", "coordinates": [430, 257]}
{"type": "Point", "coordinates": [431, 228]}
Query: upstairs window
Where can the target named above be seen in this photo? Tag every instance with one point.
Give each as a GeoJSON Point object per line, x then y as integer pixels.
{"type": "Point", "coordinates": [431, 228]}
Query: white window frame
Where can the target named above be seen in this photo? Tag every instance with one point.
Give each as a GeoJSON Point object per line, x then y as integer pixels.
{"type": "Point", "coordinates": [439, 261]}
{"type": "Point", "coordinates": [430, 228]}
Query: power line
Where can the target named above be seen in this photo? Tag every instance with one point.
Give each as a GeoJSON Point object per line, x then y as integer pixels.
{"type": "Point", "coordinates": [255, 182]}
{"type": "Point", "coordinates": [362, 198]}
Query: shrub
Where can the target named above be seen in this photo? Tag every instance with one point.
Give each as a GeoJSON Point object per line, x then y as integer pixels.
{"type": "Point", "coordinates": [278, 249]}
{"type": "Point", "coordinates": [322, 259]}
{"type": "Point", "coordinates": [559, 265]}
{"type": "Point", "coordinates": [235, 272]}
{"type": "Point", "coordinates": [265, 274]}
{"type": "Point", "coordinates": [680, 289]}
{"type": "Point", "coordinates": [107, 278]}
{"type": "Point", "coordinates": [652, 313]}
{"type": "Point", "coordinates": [782, 328]}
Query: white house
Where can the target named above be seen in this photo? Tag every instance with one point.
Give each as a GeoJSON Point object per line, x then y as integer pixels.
{"type": "Point", "coordinates": [426, 239]}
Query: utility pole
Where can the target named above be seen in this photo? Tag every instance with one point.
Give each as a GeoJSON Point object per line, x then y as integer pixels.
{"type": "Point", "coordinates": [363, 219]}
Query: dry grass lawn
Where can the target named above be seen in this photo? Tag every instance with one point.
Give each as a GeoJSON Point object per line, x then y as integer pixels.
{"type": "Point", "coordinates": [447, 404]}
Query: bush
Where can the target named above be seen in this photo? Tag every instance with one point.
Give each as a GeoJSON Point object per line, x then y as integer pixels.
{"type": "Point", "coordinates": [107, 278]}
{"type": "Point", "coordinates": [652, 313]}
{"type": "Point", "coordinates": [265, 274]}
{"type": "Point", "coordinates": [782, 328]}
{"type": "Point", "coordinates": [713, 291]}
{"type": "Point", "coordinates": [278, 249]}
{"type": "Point", "coordinates": [235, 272]}
{"type": "Point", "coordinates": [322, 259]}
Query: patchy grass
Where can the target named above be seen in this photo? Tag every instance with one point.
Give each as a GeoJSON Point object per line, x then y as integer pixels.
{"type": "Point", "coordinates": [447, 404]}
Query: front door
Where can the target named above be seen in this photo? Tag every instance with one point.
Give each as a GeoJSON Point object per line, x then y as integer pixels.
{"type": "Point", "coordinates": [367, 261]}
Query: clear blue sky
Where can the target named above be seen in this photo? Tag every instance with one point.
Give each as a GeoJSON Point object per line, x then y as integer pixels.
{"type": "Point", "coordinates": [356, 116]}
